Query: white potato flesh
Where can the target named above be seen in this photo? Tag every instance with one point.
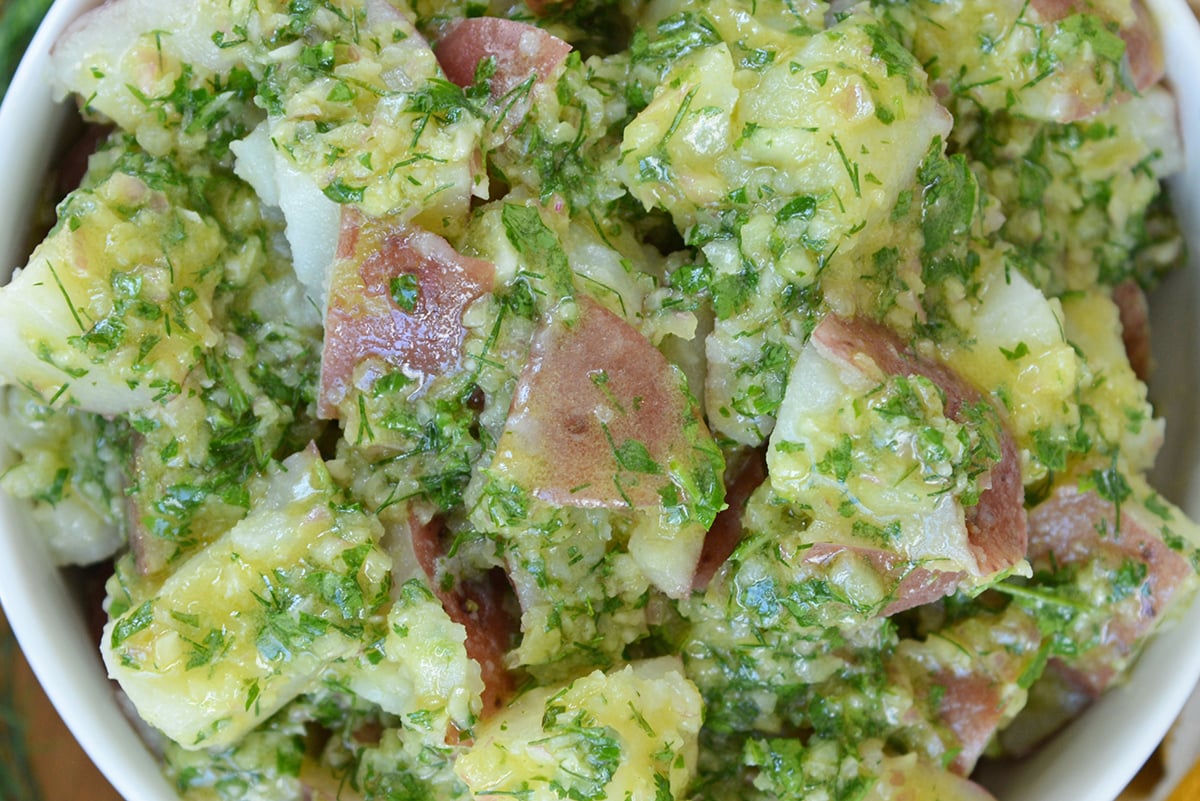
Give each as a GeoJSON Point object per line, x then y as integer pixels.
{"type": "Point", "coordinates": [629, 734]}
{"type": "Point", "coordinates": [1015, 346]}
{"type": "Point", "coordinates": [111, 307]}
{"type": "Point", "coordinates": [313, 221]}
{"type": "Point", "coordinates": [254, 619]}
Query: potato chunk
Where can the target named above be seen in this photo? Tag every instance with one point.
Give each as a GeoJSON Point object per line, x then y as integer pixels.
{"type": "Point", "coordinates": [111, 307]}
{"type": "Point", "coordinates": [252, 621]}
{"type": "Point", "coordinates": [630, 734]}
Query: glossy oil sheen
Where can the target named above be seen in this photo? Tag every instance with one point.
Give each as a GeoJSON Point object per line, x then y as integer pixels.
{"type": "Point", "coordinates": [1092, 761]}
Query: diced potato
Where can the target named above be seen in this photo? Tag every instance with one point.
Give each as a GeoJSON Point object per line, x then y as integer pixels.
{"type": "Point", "coordinates": [1123, 413]}
{"type": "Point", "coordinates": [400, 140]}
{"type": "Point", "coordinates": [1015, 342]}
{"type": "Point", "coordinates": [66, 464]}
{"type": "Point", "coordinates": [782, 156]}
{"type": "Point", "coordinates": [881, 465]}
{"type": "Point", "coordinates": [423, 672]}
{"type": "Point", "coordinates": [253, 620]}
{"type": "Point", "coordinates": [1044, 60]}
{"type": "Point", "coordinates": [313, 220]}
{"type": "Point", "coordinates": [630, 734]}
{"type": "Point", "coordinates": [600, 419]}
{"type": "Point", "coordinates": [128, 58]}
{"type": "Point", "coordinates": [835, 115]}
{"type": "Point", "coordinates": [110, 309]}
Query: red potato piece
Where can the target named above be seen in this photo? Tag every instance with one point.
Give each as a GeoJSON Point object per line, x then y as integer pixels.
{"type": "Point", "coordinates": [726, 531]}
{"type": "Point", "coordinates": [996, 525]}
{"type": "Point", "coordinates": [1143, 50]}
{"type": "Point", "coordinates": [1134, 311]}
{"type": "Point", "coordinates": [594, 387]}
{"type": "Point", "coordinates": [910, 585]}
{"type": "Point", "coordinates": [908, 779]}
{"type": "Point", "coordinates": [542, 7]}
{"type": "Point", "coordinates": [1054, 701]}
{"type": "Point", "coordinates": [480, 605]}
{"type": "Point", "coordinates": [1054, 10]}
{"type": "Point", "coordinates": [427, 542]}
{"type": "Point", "coordinates": [365, 323]}
{"type": "Point", "coordinates": [520, 50]}
{"type": "Point", "coordinates": [1066, 529]}
{"type": "Point", "coordinates": [971, 708]}
{"type": "Point", "coordinates": [966, 678]}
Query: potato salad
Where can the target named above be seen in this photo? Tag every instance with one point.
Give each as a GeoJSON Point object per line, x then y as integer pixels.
{"type": "Point", "coordinates": [649, 400]}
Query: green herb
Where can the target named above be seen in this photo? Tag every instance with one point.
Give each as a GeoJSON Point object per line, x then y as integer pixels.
{"type": "Point", "coordinates": [851, 167]}
{"type": "Point", "coordinates": [54, 493]}
{"type": "Point", "coordinates": [206, 651]}
{"type": "Point", "coordinates": [731, 293]}
{"type": "Point", "coordinates": [675, 37]}
{"type": "Point", "coordinates": [319, 58]}
{"type": "Point", "coordinates": [441, 101]}
{"type": "Point", "coordinates": [405, 291]}
{"type": "Point", "coordinates": [838, 460]}
{"type": "Point", "coordinates": [545, 256]}
{"type": "Point", "coordinates": [896, 57]}
{"type": "Point", "coordinates": [341, 192]}
{"type": "Point", "coordinates": [949, 200]}
{"type": "Point", "coordinates": [341, 93]}
{"type": "Point", "coordinates": [1091, 30]}
{"type": "Point", "coordinates": [1110, 484]}
{"type": "Point", "coordinates": [599, 749]}
{"type": "Point", "coordinates": [132, 623]}
{"type": "Point", "coordinates": [799, 208]}
{"type": "Point", "coordinates": [1020, 351]}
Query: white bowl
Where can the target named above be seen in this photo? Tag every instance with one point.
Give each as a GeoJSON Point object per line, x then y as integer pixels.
{"type": "Point", "coordinates": [1091, 761]}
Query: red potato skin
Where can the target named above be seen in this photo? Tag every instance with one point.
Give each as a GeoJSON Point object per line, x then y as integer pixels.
{"type": "Point", "coordinates": [996, 525]}
{"type": "Point", "coordinates": [970, 707]}
{"type": "Point", "coordinates": [520, 50]}
{"type": "Point", "coordinates": [364, 323]}
{"type": "Point", "coordinates": [726, 531]}
{"type": "Point", "coordinates": [1134, 312]}
{"type": "Point", "coordinates": [478, 605]}
{"type": "Point", "coordinates": [915, 783]}
{"type": "Point", "coordinates": [542, 7]}
{"type": "Point", "coordinates": [1065, 529]}
{"type": "Point", "coordinates": [970, 704]}
{"type": "Point", "coordinates": [588, 387]}
{"type": "Point", "coordinates": [1147, 64]}
{"type": "Point", "coordinates": [1143, 48]}
{"type": "Point", "coordinates": [911, 586]}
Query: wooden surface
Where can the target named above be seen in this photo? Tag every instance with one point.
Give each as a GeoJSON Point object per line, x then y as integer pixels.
{"type": "Point", "coordinates": [39, 759]}
{"type": "Point", "coordinates": [1189, 788]}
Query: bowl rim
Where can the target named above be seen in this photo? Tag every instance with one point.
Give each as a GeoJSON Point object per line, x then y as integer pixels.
{"type": "Point", "coordinates": [38, 603]}
{"type": "Point", "coordinates": [47, 623]}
